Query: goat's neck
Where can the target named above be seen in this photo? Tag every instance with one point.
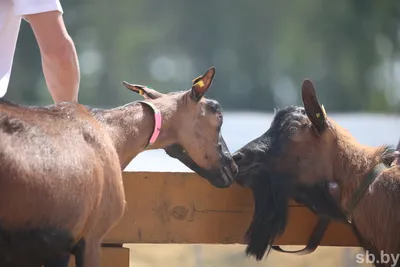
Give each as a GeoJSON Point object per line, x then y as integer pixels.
{"type": "Point", "coordinates": [353, 163]}
{"type": "Point", "coordinates": [131, 126]}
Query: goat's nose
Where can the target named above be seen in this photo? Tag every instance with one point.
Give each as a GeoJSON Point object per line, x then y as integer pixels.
{"type": "Point", "coordinates": [238, 156]}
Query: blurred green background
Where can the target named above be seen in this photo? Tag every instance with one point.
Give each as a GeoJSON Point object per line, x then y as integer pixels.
{"type": "Point", "coordinates": [262, 50]}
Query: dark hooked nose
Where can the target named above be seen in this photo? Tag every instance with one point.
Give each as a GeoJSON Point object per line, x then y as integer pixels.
{"type": "Point", "coordinates": [238, 157]}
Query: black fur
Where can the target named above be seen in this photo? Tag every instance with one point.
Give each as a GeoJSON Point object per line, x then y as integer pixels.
{"type": "Point", "coordinates": [272, 188]}
{"type": "Point", "coordinates": [62, 261]}
{"type": "Point", "coordinates": [263, 163]}
{"type": "Point", "coordinates": [33, 247]}
{"type": "Point", "coordinates": [270, 214]}
{"type": "Point", "coordinates": [317, 198]}
{"type": "Point", "coordinates": [78, 252]}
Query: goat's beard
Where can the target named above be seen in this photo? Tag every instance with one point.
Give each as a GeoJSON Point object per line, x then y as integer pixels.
{"type": "Point", "coordinates": [271, 197]}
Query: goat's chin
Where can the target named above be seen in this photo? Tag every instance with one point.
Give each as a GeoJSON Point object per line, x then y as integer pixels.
{"type": "Point", "coordinates": [270, 214]}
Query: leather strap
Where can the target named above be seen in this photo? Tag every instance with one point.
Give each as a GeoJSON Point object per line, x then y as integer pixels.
{"type": "Point", "coordinates": [323, 223]}
{"type": "Point", "coordinates": [314, 240]}
{"type": "Point", "coordinates": [375, 172]}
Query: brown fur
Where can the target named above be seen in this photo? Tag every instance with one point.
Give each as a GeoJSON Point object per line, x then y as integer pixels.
{"type": "Point", "coordinates": [61, 165]}
{"type": "Point", "coordinates": [323, 165]}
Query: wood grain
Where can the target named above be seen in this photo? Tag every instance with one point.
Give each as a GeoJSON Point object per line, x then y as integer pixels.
{"type": "Point", "coordinates": [184, 208]}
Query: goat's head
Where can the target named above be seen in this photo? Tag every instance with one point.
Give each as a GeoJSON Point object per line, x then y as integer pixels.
{"type": "Point", "coordinates": [193, 131]}
{"type": "Point", "coordinates": [294, 158]}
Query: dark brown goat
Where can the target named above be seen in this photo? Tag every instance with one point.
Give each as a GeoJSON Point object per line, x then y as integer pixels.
{"type": "Point", "coordinates": [306, 156]}
{"type": "Point", "coordinates": [61, 167]}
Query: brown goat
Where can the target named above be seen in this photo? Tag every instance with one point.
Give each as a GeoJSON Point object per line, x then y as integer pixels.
{"type": "Point", "coordinates": [307, 156]}
{"type": "Point", "coordinates": [61, 167]}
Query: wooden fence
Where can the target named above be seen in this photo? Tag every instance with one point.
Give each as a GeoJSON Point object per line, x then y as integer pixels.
{"type": "Point", "coordinates": [182, 208]}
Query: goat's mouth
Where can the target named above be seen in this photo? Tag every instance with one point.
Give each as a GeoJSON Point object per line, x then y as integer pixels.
{"type": "Point", "coordinates": [225, 180]}
{"type": "Point", "coordinates": [246, 173]}
{"type": "Point", "coordinates": [222, 177]}
{"type": "Point", "coordinates": [246, 169]}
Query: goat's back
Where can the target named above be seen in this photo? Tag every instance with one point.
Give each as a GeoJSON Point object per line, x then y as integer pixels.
{"type": "Point", "coordinates": [51, 172]}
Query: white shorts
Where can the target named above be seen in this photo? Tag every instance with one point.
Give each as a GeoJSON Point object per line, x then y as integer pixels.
{"type": "Point", "coordinates": [11, 13]}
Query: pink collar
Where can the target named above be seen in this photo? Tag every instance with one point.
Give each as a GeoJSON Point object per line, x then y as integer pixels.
{"type": "Point", "coordinates": [157, 124]}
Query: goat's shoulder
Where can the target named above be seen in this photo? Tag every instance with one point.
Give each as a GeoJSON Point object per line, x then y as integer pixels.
{"type": "Point", "coordinates": [388, 182]}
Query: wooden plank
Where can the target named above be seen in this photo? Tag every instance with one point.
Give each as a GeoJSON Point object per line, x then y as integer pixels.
{"type": "Point", "coordinates": [110, 257]}
{"type": "Point", "coordinates": [184, 208]}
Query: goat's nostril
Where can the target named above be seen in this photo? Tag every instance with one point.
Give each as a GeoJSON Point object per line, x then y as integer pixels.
{"type": "Point", "coordinates": [237, 157]}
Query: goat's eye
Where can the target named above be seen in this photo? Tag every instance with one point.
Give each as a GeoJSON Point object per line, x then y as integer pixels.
{"type": "Point", "coordinates": [219, 116]}
{"type": "Point", "coordinates": [293, 129]}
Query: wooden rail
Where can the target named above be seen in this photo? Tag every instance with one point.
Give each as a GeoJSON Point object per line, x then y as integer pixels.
{"type": "Point", "coordinates": [170, 207]}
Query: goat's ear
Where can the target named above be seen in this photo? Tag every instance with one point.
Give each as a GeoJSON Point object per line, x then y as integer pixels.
{"type": "Point", "coordinates": [397, 153]}
{"type": "Point", "coordinates": [201, 84]}
{"type": "Point", "coordinates": [315, 112]}
{"type": "Point", "coordinates": [145, 91]}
